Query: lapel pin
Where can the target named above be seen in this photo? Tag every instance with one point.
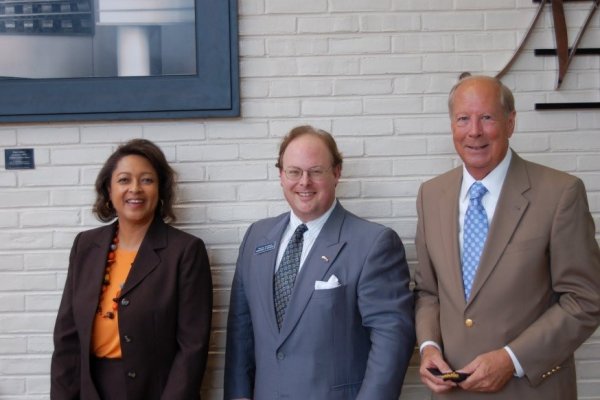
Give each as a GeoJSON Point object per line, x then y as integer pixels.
{"type": "Point", "coordinates": [324, 258]}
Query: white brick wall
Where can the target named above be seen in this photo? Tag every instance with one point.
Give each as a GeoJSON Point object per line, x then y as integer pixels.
{"type": "Point", "coordinates": [373, 72]}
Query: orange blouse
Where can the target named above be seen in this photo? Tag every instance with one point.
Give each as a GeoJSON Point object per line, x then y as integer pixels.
{"type": "Point", "coordinates": [105, 333]}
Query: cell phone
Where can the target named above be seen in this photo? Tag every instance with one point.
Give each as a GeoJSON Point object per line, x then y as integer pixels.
{"type": "Point", "coordinates": [449, 376]}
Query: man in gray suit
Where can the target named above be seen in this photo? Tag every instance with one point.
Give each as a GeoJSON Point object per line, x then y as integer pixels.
{"type": "Point", "coordinates": [513, 322]}
{"type": "Point", "coordinates": [338, 322]}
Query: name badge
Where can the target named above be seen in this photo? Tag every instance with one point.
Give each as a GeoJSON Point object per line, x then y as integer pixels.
{"type": "Point", "coordinates": [264, 248]}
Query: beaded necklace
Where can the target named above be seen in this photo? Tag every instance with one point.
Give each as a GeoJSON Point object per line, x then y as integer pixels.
{"type": "Point", "coordinates": [110, 314]}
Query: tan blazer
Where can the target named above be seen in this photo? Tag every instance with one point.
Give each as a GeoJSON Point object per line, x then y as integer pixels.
{"type": "Point", "coordinates": [164, 316]}
{"type": "Point", "coordinates": [537, 288]}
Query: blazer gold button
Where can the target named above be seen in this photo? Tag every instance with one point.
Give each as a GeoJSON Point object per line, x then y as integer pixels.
{"type": "Point", "coordinates": [468, 322]}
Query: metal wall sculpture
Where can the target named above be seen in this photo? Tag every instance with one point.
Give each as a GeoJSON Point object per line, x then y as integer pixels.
{"type": "Point", "coordinates": [564, 53]}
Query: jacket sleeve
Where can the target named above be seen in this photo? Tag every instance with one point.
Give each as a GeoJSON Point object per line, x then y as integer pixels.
{"type": "Point", "coordinates": [575, 277]}
{"type": "Point", "coordinates": [427, 304]}
{"type": "Point", "coordinates": [194, 315]}
{"type": "Point", "coordinates": [386, 307]}
{"type": "Point", "coordinates": [65, 380]}
{"type": "Point", "coordinates": [239, 357]}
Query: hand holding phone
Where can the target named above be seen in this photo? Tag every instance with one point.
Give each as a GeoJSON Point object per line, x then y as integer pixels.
{"type": "Point", "coordinates": [449, 376]}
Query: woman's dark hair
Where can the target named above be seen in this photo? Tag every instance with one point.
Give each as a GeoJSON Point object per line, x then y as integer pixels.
{"type": "Point", "coordinates": [103, 208]}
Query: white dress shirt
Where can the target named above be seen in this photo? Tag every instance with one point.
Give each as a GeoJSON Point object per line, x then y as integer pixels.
{"type": "Point", "coordinates": [493, 183]}
{"type": "Point", "coordinates": [310, 236]}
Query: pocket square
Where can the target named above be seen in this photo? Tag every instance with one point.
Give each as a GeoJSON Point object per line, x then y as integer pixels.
{"type": "Point", "coordinates": [332, 283]}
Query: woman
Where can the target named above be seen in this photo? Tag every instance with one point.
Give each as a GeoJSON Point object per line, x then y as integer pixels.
{"type": "Point", "coordinates": [134, 320]}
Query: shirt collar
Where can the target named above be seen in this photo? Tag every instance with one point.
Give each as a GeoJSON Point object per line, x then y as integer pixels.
{"type": "Point", "coordinates": [315, 223]}
{"type": "Point", "coordinates": [493, 181]}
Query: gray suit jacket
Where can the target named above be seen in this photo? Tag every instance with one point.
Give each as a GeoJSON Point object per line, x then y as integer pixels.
{"type": "Point", "coordinates": [537, 288]}
{"type": "Point", "coordinates": [351, 342]}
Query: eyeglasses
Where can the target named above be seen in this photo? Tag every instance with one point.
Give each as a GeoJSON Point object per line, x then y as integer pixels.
{"type": "Point", "coordinates": [315, 174]}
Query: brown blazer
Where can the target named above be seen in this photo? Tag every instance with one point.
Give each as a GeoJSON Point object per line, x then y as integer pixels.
{"type": "Point", "coordinates": [537, 288]}
{"type": "Point", "coordinates": [164, 316]}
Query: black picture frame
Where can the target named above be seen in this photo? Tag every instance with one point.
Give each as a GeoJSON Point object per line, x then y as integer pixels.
{"type": "Point", "coordinates": [212, 92]}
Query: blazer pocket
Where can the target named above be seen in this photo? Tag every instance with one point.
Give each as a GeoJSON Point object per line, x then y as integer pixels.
{"type": "Point", "coordinates": [353, 386]}
{"type": "Point", "coordinates": [526, 245]}
{"type": "Point", "coordinates": [327, 293]}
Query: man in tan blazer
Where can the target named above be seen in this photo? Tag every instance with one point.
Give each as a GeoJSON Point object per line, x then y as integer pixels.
{"type": "Point", "coordinates": [535, 296]}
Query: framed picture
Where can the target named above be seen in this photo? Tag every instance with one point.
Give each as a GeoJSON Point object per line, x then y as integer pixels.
{"type": "Point", "coordinates": [63, 60]}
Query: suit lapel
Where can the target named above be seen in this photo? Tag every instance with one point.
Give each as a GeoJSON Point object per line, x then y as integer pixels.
{"type": "Point", "coordinates": [147, 259]}
{"type": "Point", "coordinates": [265, 269]}
{"type": "Point", "coordinates": [92, 267]}
{"type": "Point", "coordinates": [509, 210]}
{"type": "Point", "coordinates": [448, 224]}
{"type": "Point", "coordinates": [322, 255]}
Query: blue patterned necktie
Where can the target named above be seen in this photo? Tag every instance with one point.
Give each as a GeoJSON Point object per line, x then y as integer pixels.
{"type": "Point", "coordinates": [283, 284]}
{"type": "Point", "coordinates": [475, 233]}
